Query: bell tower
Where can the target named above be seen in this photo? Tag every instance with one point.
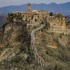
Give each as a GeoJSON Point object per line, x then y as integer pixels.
{"type": "Point", "coordinates": [29, 7]}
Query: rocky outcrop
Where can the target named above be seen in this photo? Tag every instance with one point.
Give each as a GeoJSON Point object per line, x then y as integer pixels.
{"type": "Point", "coordinates": [14, 43]}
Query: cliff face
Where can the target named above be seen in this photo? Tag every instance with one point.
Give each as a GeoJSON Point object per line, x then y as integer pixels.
{"type": "Point", "coordinates": [21, 51]}
{"type": "Point", "coordinates": [14, 33]}
{"type": "Point", "coordinates": [14, 44]}
{"type": "Point", "coordinates": [54, 48]}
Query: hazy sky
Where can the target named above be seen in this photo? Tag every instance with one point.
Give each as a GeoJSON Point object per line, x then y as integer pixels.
{"type": "Point", "coordinates": [19, 2]}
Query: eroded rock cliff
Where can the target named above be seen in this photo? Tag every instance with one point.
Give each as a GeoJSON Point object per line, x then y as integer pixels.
{"type": "Point", "coordinates": [22, 50]}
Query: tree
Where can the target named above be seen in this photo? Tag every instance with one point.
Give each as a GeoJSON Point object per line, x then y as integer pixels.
{"type": "Point", "coordinates": [55, 67]}
{"type": "Point", "coordinates": [47, 25]}
{"type": "Point", "coordinates": [51, 14]}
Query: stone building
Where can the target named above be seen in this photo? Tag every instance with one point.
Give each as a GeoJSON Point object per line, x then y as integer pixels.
{"type": "Point", "coordinates": [56, 21]}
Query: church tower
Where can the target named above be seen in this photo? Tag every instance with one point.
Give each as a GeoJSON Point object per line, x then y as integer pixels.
{"type": "Point", "coordinates": [29, 7]}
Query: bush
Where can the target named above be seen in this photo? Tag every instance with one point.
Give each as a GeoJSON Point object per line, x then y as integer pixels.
{"type": "Point", "coordinates": [47, 25]}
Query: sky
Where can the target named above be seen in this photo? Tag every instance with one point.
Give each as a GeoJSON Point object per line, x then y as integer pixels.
{"type": "Point", "coordinates": [19, 2]}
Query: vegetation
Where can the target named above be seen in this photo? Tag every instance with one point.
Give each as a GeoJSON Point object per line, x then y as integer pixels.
{"type": "Point", "coordinates": [12, 16]}
{"type": "Point", "coordinates": [51, 14]}
{"type": "Point", "coordinates": [58, 56]}
{"type": "Point", "coordinates": [47, 25]}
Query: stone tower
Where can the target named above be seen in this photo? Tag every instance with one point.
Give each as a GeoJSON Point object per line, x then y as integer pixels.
{"type": "Point", "coordinates": [29, 7]}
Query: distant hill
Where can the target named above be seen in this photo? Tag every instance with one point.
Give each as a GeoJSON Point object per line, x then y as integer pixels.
{"type": "Point", "coordinates": [2, 20]}
{"type": "Point", "coordinates": [62, 8]}
{"type": "Point", "coordinates": [68, 19]}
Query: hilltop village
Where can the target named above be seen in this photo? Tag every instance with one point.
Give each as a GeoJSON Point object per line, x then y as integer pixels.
{"type": "Point", "coordinates": [57, 21]}
{"type": "Point", "coordinates": [34, 40]}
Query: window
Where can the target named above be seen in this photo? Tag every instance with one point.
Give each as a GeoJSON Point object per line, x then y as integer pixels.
{"type": "Point", "coordinates": [35, 20]}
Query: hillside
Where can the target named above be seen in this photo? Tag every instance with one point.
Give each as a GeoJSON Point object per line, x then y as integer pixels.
{"type": "Point", "coordinates": [54, 48]}
{"type": "Point", "coordinates": [62, 8]}
{"type": "Point", "coordinates": [38, 49]}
